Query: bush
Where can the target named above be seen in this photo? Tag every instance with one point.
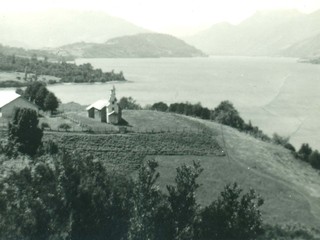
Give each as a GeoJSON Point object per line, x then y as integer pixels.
{"type": "Point", "coordinates": [233, 216]}
{"type": "Point", "coordinates": [24, 132]}
{"type": "Point", "coordinates": [226, 114]}
{"type": "Point", "coordinates": [304, 152]}
{"type": "Point", "coordinates": [160, 106]}
{"type": "Point", "coordinates": [182, 202]}
{"type": "Point", "coordinates": [277, 139]}
{"type": "Point", "coordinates": [314, 159]}
{"type": "Point", "coordinates": [129, 103]}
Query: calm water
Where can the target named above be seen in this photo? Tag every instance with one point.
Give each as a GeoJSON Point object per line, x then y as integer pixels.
{"type": "Point", "coordinates": [277, 94]}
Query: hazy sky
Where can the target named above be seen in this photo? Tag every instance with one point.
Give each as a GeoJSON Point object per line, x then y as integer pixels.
{"type": "Point", "coordinates": [173, 16]}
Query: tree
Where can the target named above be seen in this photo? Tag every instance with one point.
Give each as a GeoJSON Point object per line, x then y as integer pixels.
{"type": "Point", "coordinates": [32, 90]}
{"type": "Point", "coordinates": [160, 106]}
{"type": "Point", "coordinates": [41, 95]}
{"type": "Point", "coordinates": [24, 132]}
{"type": "Point", "coordinates": [277, 139]}
{"type": "Point", "coordinates": [226, 114]}
{"type": "Point", "coordinates": [51, 102]}
{"type": "Point", "coordinates": [232, 216]}
{"type": "Point", "coordinates": [314, 159]}
{"type": "Point", "coordinates": [304, 151]}
{"type": "Point", "coordinates": [182, 201]}
{"type": "Point", "coordinates": [146, 198]}
{"type": "Point", "coordinates": [129, 103]}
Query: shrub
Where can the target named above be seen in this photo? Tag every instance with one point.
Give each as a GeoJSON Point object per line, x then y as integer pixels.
{"type": "Point", "coordinates": [146, 199]}
{"type": "Point", "coordinates": [129, 103]}
{"type": "Point", "coordinates": [182, 202]}
{"type": "Point", "coordinates": [314, 159]}
{"type": "Point", "coordinates": [290, 147]}
{"type": "Point", "coordinates": [24, 132]}
{"type": "Point", "coordinates": [232, 216]}
{"type": "Point", "coordinates": [304, 152]}
{"type": "Point", "coordinates": [226, 114]}
{"type": "Point", "coordinates": [277, 139]}
{"type": "Point", "coordinates": [160, 106]}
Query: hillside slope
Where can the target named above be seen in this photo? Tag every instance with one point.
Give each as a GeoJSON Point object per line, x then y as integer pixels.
{"type": "Point", "coordinates": [290, 187]}
{"type": "Point", "coordinates": [54, 28]}
{"type": "Point", "coordinates": [151, 45]}
{"type": "Point", "coordinates": [266, 33]}
{"type": "Point", "coordinates": [309, 47]}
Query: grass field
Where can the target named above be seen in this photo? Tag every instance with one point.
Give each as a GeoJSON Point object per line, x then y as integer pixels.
{"type": "Point", "coordinates": [290, 187]}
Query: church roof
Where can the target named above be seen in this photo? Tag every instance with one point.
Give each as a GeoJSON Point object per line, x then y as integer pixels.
{"type": "Point", "coordinates": [99, 104]}
{"type": "Point", "coordinates": [7, 97]}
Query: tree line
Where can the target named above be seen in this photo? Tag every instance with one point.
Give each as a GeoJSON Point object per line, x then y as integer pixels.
{"type": "Point", "coordinates": [67, 72]}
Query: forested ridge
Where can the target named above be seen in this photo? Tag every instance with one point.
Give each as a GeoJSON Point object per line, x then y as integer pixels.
{"type": "Point", "coordinates": [67, 72]}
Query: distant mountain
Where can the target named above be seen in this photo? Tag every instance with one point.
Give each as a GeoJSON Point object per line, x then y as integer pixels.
{"type": "Point", "coordinates": [307, 48]}
{"type": "Point", "coordinates": [60, 27]}
{"type": "Point", "coordinates": [151, 45]}
{"type": "Point", "coordinates": [266, 33]}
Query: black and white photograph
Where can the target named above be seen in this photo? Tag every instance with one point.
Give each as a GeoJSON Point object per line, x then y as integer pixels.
{"type": "Point", "coordinates": [159, 120]}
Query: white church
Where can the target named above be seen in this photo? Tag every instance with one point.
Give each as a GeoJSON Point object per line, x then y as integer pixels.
{"type": "Point", "coordinates": [105, 110]}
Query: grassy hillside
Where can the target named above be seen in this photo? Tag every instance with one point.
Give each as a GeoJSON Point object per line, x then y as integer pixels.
{"type": "Point", "coordinates": [289, 186]}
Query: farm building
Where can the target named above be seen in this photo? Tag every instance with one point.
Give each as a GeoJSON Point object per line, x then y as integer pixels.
{"type": "Point", "coordinates": [106, 110]}
{"type": "Point", "coordinates": [9, 100]}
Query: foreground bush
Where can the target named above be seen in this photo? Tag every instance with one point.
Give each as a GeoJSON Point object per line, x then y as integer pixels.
{"type": "Point", "coordinates": [67, 196]}
{"type": "Point", "coordinates": [24, 133]}
{"type": "Point", "coordinates": [233, 216]}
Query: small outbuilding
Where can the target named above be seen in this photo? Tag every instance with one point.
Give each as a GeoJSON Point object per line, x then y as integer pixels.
{"type": "Point", "coordinates": [9, 100]}
{"type": "Point", "coordinates": [105, 110]}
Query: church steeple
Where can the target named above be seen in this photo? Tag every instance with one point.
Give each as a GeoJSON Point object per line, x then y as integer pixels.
{"type": "Point", "coordinates": [113, 98]}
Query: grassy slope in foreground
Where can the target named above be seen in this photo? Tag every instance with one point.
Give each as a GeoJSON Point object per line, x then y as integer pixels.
{"type": "Point", "coordinates": [290, 187]}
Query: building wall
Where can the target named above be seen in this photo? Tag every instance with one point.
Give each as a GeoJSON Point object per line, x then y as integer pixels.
{"type": "Point", "coordinates": [103, 115]}
{"type": "Point", "coordinates": [91, 113]}
{"type": "Point", "coordinates": [7, 110]}
{"type": "Point", "coordinates": [113, 118]}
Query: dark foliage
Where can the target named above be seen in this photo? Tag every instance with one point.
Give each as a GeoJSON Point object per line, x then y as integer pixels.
{"type": "Point", "coordinates": [68, 72]}
{"type": "Point", "coordinates": [38, 93]}
{"type": "Point", "coordinates": [64, 197]}
{"type": "Point", "coordinates": [314, 159]}
{"type": "Point", "coordinates": [146, 201]}
{"type": "Point", "coordinates": [304, 152]}
{"type": "Point", "coordinates": [129, 103]}
{"type": "Point", "coordinates": [160, 106]}
{"type": "Point", "coordinates": [189, 109]}
{"type": "Point", "coordinates": [226, 114]}
{"type": "Point", "coordinates": [24, 132]}
{"type": "Point", "coordinates": [233, 216]}
{"type": "Point", "coordinates": [51, 102]}
{"type": "Point", "coordinates": [182, 201]}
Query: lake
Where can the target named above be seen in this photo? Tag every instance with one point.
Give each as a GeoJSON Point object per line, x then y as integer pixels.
{"type": "Point", "coordinates": [277, 94]}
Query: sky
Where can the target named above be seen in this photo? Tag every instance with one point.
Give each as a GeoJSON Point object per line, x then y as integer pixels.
{"type": "Point", "coordinates": [180, 17]}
